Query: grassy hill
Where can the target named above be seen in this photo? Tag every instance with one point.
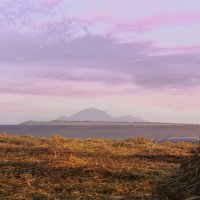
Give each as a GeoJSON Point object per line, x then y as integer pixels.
{"type": "Point", "coordinates": [57, 168]}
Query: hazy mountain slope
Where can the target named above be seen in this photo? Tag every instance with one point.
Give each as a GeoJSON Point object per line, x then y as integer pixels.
{"type": "Point", "coordinates": [91, 114]}
{"type": "Point", "coordinates": [129, 118]}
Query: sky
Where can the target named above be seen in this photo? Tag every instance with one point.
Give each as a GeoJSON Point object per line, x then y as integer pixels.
{"type": "Point", "coordinates": [137, 57]}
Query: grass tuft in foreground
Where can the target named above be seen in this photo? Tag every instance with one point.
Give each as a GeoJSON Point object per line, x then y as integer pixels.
{"type": "Point", "coordinates": [184, 183]}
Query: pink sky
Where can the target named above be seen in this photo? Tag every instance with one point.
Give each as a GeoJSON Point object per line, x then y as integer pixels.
{"type": "Point", "coordinates": [133, 57]}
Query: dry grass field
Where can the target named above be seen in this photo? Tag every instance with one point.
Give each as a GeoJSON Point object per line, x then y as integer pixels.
{"type": "Point", "coordinates": [59, 168]}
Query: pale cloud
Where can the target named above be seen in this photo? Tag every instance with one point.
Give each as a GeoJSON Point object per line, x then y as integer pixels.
{"type": "Point", "coordinates": [158, 21]}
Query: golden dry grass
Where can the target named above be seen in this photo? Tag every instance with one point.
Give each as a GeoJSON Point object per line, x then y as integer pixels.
{"type": "Point", "coordinates": [59, 168]}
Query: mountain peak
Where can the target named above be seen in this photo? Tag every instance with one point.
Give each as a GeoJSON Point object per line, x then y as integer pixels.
{"type": "Point", "coordinates": [91, 114]}
{"type": "Point", "coordinates": [92, 109]}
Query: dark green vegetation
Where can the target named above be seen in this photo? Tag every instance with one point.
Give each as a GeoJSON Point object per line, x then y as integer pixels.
{"type": "Point", "coordinates": [58, 168]}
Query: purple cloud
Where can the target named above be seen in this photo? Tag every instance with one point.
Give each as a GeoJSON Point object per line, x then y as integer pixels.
{"type": "Point", "coordinates": [60, 59]}
{"type": "Point", "coordinates": [52, 3]}
{"type": "Point", "coordinates": [67, 42]}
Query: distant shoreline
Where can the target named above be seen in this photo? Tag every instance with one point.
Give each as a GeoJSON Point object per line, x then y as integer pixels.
{"type": "Point", "coordinates": [110, 130]}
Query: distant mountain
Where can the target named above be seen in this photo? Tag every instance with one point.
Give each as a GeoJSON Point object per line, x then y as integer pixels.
{"type": "Point", "coordinates": [94, 114]}
{"type": "Point", "coordinates": [89, 114]}
{"type": "Point", "coordinates": [63, 118]}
